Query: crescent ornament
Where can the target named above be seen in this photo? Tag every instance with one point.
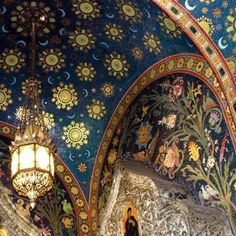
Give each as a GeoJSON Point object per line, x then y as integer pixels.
{"type": "Point", "coordinates": [190, 8]}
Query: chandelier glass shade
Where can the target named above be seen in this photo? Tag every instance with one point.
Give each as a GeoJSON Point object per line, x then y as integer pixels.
{"type": "Point", "coordinates": [32, 151]}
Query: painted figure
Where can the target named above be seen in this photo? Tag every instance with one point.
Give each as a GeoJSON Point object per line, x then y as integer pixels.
{"type": "Point", "coordinates": [131, 224]}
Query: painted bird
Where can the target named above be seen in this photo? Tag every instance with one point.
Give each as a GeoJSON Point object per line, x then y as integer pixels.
{"type": "Point", "coordinates": [207, 193]}
{"type": "Point", "coordinates": [66, 207]}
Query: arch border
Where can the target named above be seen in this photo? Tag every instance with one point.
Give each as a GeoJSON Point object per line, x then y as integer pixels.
{"type": "Point", "coordinates": [65, 175]}
{"type": "Point", "coordinates": [181, 63]}
{"type": "Point", "coordinates": [206, 46]}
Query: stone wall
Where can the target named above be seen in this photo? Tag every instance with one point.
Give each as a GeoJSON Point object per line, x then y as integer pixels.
{"type": "Point", "coordinates": [163, 207]}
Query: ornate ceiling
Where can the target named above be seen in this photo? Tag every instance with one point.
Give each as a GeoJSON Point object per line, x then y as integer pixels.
{"type": "Point", "coordinates": [88, 55]}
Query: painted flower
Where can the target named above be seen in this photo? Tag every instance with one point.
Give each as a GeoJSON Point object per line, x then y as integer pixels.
{"type": "Point", "coordinates": [206, 25]}
{"type": "Point", "coordinates": [67, 222]}
{"type": "Point", "coordinates": [85, 71]}
{"type": "Point", "coordinates": [112, 156]}
{"type": "Point", "coordinates": [129, 11]}
{"type": "Point", "coordinates": [152, 43]}
{"type": "Point", "coordinates": [74, 190]}
{"type": "Point", "coordinates": [84, 228]}
{"type": "Point", "coordinates": [114, 32]}
{"type": "Point", "coordinates": [168, 121]}
{"type": "Point", "coordinates": [210, 162]}
{"type": "Point", "coordinates": [217, 12]}
{"type": "Point", "coordinates": [79, 202]}
{"type": "Point", "coordinates": [5, 97]}
{"type": "Point", "coordinates": [68, 179]}
{"type": "Point", "coordinates": [12, 60]}
{"type": "Point", "coordinates": [82, 167]}
{"type": "Point", "coordinates": [137, 53]}
{"type": "Point", "coordinates": [214, 118]}
{"type": "Point", "coordinates": [198, 90]}
{"type": "Point", "coordinates": [52, 60]}
{"type": "Point", "coordinates": [231, 25]}
{"type": "Point", "coordinates": [116, 65]}
{"type": "Point", "coordinates": [107, 89]}
{"type": "Point", "coordinates": [60, 168]}
{"type": "Point", "coordinates": [96, 109]}
{"type": "Point", "coordinates": [75, 135]}
{"type": "Point", "coordinates": [64, 96]}
{"type": "Point", "coordinates": [193, 149]}
{"type": "Point", "coordinates": [83, 215]}
{"type": "Point", "coordinates": [115, 141]}
{"type": "Point", "coordinates": [144, 135]}
{"type": "Point", "coordinates": [169, 160]}
{"type": "Point", "coordinates": [82, 40]}
{"type": "Point", "coordinates": [86, 9]}
{"type": "Point", "coordinates": [169, 26]}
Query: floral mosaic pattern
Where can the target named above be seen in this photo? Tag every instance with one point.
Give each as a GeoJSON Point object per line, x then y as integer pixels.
{"type": "Point", "coordinates": [176, 126]}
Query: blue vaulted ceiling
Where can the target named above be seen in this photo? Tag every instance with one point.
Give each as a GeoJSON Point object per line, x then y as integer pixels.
{"type": "Point", "coordinates": [88, 55]}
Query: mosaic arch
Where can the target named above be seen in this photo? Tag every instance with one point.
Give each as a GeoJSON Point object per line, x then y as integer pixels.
{"type": "Point", "coordinates": [205, 45]}
{"type": "Point", "coordinates": [183, 63]}
{"type": "Point", "coordinates": [78, 200]}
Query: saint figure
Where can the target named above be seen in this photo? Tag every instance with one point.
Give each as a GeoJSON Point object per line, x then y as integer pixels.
{"type": "Point", "coordinates": [131, 224]}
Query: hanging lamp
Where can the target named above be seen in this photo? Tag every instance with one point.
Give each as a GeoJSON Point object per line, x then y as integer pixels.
{"type": "Point", "coordinates": [32, 151]}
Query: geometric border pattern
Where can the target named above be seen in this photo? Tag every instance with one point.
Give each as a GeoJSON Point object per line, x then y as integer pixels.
{"type": "Point", "coordinates": [69, 181]}
{"type": "Point", "coordinates": [205, 45]}
{"type": "Point", "coordinates": [182, 63]}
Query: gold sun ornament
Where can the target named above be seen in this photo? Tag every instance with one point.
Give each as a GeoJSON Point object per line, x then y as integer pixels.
{"type": "Point", "coordinates": [96, 109]}
{"type": "Point", "coordinates": [152, 43]}
{"type": "Point", "coordinates": [86, 9]}
{"type": "Point", "coordinates": [114, 32]}
{"type": "Point", "coordinates": [82, 167]}
{"type": "Point", "coordinates": [12, 60]}
{"type": "Point", "coordinates": [64, 96]}
{"type": "Point", "coordinates": [82, 40]}
{"type": "Point", "coordinates": [206, 25]}
{"type": "Point", "coordinates": [116, 65]}
{"type": "Point", "coordinates": [137, 53]}
{"type": "Point", "coordinates": [75, 135]}
{"type": "Point", "coordinates": [129, 11]}
{"type": "Point", "coordinates": [52, 60]}
{"type": "Point", "coordinates": [5, 97]}
{"type": "Point", "coordinates": [85, 71]}
{"type": "Point", "coordinates": [107, 89]}
{"type": "Point", "coordinates": [169, 26]}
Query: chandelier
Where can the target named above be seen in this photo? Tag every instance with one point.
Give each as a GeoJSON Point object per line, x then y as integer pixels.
{"type": "Point", "coordinates": [32, 151]}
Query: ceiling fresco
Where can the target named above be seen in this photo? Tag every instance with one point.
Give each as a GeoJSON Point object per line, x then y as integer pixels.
{"type": "Point", "coordinates": [176, 126]}
{"type": "Point", "coordinates": [218, 19]}
{"type": "Point", "coordinates": [89, 54]}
